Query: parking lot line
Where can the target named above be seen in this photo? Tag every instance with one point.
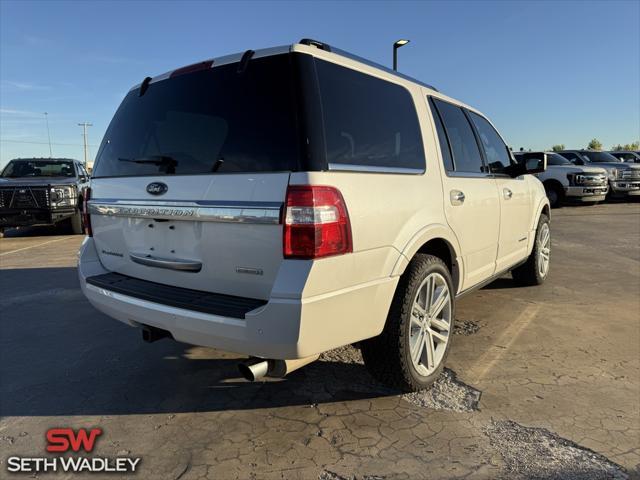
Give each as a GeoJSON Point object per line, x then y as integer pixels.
{"type": "Point", "coordinates": [34, 246]}
{"type": "Point", "coordinates": [486, 362]}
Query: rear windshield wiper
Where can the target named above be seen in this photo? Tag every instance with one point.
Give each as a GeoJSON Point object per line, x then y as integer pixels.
{"type": "Point", "coordinates": [163, 161]}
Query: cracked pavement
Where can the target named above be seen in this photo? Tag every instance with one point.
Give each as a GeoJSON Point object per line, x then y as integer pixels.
{"type": "Point", "coordinates": [542, 382]}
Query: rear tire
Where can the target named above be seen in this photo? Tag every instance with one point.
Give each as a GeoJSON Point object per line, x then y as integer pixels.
{"type": "Point", "coordinates": [76, 223]}
{"type": "Point", "coordinates": [536, 269]}
{"type": "Point", "coordinates": [411, 351]}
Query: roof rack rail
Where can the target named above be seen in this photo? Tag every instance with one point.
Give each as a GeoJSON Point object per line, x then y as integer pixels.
{"type": "Point", "coordinates": [337, 51]}
{"type": "Point", "coordinates": [315, 43]}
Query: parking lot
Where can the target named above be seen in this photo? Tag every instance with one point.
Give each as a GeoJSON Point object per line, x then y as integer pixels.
{"type": "Point", "coordinates": [542, 382]}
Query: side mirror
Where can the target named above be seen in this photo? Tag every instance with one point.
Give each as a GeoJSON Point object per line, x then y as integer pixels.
{"type": "Point", "coordinates": [529, 163]}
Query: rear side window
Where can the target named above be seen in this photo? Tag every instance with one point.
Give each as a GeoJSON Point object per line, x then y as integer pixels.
{"type": "Point", "coordinates": [495, 150]}
{"type": "Point", "coordinates": [442, 138]}
{"type": "Point", "coordinates": [210, 121]}
{"type": "Point", "coordinates": [368, 122]}
{"type": "Point", "coordinates": [466, 155]}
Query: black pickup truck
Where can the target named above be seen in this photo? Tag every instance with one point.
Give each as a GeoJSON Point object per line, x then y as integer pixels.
{"type": "Point", "coordinates": [42, 191]}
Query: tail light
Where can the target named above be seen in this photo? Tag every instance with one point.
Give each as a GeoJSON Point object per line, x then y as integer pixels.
{"type": "Point", "coordinates": [86, 218]}
{"type": "Point", "coordinates": [316, 223]}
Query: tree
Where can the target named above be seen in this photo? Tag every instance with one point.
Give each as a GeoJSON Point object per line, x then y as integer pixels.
{"type": "Point", "coordinates": [558, 148]}
{"type": "Point", "coordinates": [594, 144]}
{"type": "Point", "coordinates": [627, 146]}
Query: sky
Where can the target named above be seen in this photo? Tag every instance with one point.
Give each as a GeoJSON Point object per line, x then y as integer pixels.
{"type": "Point", "coordinates": [544, 72]}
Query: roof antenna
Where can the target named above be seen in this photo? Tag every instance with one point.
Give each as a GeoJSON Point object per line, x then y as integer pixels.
{"type": "Point", "coordinates": [144, 86]}
{"type": "Point", "coordinates": [244, 61]}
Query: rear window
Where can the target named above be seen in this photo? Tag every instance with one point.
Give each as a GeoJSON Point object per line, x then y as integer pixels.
{"type": "Point", "coordinates": [210, 121]}
{"type": "Point", "coordinates": [368, 122]}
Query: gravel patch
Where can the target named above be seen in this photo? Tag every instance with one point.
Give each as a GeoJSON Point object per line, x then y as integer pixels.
{"type": "Point", "coordinates": [447, 393]}
{"type": "Point", "coordinates": [465, 327]}
{"type": "Point", "coordinates": [538, 453]}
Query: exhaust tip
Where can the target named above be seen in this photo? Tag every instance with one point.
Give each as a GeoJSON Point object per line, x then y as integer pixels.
{"type": "Point", "coordinates": [153, 334]}
{"type": "Point", "coordinates": [254, 369]}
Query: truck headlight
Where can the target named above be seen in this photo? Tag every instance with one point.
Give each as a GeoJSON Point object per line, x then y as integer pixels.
{"type": "Point", "coordinates": [613, 174]}
{"type": "Point", "coordinates": [575, 179]}
{"type": "Point", "coordinates": [63, 196]}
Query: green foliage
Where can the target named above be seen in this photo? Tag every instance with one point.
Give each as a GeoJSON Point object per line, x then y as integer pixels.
{"type": "Point", "coordinates": [594, 144]}
{"type": "Point", "coordinates": [628, 146]}
{"type": "Point", "coordinates": [558, 148]}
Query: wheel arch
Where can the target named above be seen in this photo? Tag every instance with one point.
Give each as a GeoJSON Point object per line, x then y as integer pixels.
{"type": "Point", "coordinates": [555, 182]}
{"type": "Point", "coordinates": [437, 240]}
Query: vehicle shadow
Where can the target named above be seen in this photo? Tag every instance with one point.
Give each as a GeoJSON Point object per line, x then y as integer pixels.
{"type": "Point", "coordinates": [44, 231]}
{"type": "Point", "coordinates": [502, 283]}
{"type": "Point", "coordinates": [59, 356]}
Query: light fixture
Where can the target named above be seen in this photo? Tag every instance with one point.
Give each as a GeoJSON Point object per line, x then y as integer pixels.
{"type": "Point", "coordinates": [396, 46]}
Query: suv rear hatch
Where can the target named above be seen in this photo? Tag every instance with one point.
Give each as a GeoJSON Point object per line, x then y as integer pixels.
{"type": "Point", "coordinates": [192, 173]}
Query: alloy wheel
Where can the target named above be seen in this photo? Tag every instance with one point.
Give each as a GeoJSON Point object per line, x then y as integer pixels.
{"type": "Point", "coordinates": [430, 324]}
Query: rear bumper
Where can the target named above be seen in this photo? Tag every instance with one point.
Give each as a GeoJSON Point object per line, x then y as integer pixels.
{"type": "Point", "coordinates": [284, 328]}
{"type": "Point", "coordinates": [586, 193]}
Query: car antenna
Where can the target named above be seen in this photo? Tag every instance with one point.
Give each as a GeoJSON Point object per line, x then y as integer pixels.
{"type": "Point", "coordinates": [244, 61]}
{"type": "Point", "coordinates": [144, 85]}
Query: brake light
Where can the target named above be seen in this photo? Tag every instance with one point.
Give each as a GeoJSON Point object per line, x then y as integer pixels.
{"type": "Point", "coordinates": [316, 223]}
{"type": "Point", "coordinates": [86, 218]}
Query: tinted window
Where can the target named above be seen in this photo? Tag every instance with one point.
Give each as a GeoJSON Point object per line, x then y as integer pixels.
{"type": "Point", "coordinates": [213, 120]}
{"type": "Point", "coordinates": [555, 159]}
{"type": "Point", "coordinates": [569, 155]}
{"type": "Point", "coordinates": [496, 152]}
{"type": "Point", "coordinates": [368, 121]}
{"type": "Point", "coordinates": [600, 157]}
{"type": "Point", "coordinates": [38, 168]}
{"type": "Point", "coordinates": [442, 138]}
{"type": "Point", "coordinates": [466, 155]}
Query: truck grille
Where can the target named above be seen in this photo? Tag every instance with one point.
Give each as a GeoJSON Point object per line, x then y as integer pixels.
{"type": "Point", "coordinates": [630, 174]}
{"type": "Point", "coordinates": [593, 180]}
{"type": "Point", "coordinates": [24, 197]}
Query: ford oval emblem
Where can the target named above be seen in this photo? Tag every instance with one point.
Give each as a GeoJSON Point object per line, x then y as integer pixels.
{"type": "Point", "coordinates": [157, 188]}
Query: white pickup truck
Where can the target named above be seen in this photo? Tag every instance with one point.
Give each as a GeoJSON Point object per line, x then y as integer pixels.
{"type": "Point", "coordinates": [565, 182]}
{"type": "Point", "coordinates": [283, 202]}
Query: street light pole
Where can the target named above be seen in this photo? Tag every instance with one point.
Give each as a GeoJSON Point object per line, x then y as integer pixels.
{"type": "Point", "coordinates": [84, 126]}
{"type": "Point", "coordinates": [46, 119]}
{"type": "Point", "coordinates": [396, 46]}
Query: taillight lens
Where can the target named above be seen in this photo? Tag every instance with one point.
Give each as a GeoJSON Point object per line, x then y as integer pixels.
{"type": "Point", "coordinates": [86, 218]}
{"type": "Point", "coordinates": [316, 222]}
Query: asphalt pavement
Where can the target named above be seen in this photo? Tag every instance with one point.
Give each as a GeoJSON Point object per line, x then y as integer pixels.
{"type": "Point", "coordinates": [542, 382]}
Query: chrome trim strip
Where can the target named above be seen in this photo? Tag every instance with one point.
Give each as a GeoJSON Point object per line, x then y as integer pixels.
{"type": "Point", "coordinates": [175, 264]}
{"type": "Point", "coordinates": [347, 167]}
{"type": "Point", "coordinates": [224, 212]}
{"type": "Point", "coordinates": [189, 203]}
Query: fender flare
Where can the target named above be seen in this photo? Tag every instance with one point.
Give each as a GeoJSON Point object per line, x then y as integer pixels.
{"type": "Point", "coordinates": [541, 204]}
{"type": "Point", "coordinates": [430, 232]}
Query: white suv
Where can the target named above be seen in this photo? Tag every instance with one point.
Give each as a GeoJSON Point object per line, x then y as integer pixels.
{"type": "Point", "coordinates": [283, 202]}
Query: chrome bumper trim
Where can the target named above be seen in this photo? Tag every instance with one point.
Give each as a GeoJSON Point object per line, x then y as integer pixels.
{"type": "Point", "coordinates": [224, 212]}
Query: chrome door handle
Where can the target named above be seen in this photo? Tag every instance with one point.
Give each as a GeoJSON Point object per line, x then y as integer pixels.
{"type": "Point", "coordinates": [457, 197]}
{"type": "Point", "coordinates": [507, 193]}
{"type": "Point", "coordinates": [171, 264]}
